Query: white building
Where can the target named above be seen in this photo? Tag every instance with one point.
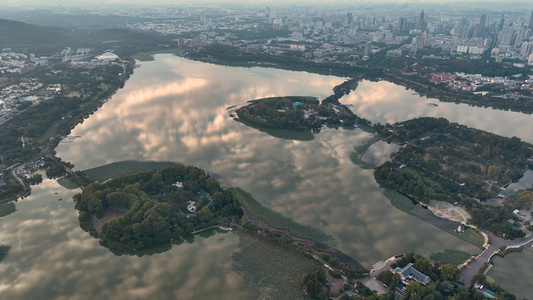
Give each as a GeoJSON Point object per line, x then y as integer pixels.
{"type": "Point", "coordinates": [107, 57]}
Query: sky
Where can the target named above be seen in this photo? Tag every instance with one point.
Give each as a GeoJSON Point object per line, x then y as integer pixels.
{"type": "Point", "coordinates": [25, 3]}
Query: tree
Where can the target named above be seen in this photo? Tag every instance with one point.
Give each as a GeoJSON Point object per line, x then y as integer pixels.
{"type": "Point", "coordinates": [313, 286]}
{"type": "Point", "coordinates": [335, 273]}
{"type": "Point", "coordinates": [205, 215]}
{"type": "Point", "coordinates": [212, 185]}
{"type": "Point", "coordinates": [412, 287]}
{"type": "Point", "coordinates": [385, 277]}
{"type": "Point", "coordinates": [395, 280]}
{"type": "Point", "coordinates": [422, 265]}
{"type": "Point", "coordinates": [524, 199]}
{"type": "Point", "coordinates": [136, 229]}
{"type": "Point", "coordinates": [449, 272]}
{"type": "Point", "coordinates": [36, 179]}
{"type": "Point", "coordinates": [494, 171]}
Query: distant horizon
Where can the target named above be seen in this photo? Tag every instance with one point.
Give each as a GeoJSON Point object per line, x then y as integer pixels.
{"type": "Point", "coordinates": [87, 3]}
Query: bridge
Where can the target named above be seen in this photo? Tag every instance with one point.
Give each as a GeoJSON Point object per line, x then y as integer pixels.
{"type": "Point", "coordinates": [471, 270]}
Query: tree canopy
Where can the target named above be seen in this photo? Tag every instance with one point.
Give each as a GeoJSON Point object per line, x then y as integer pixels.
{"type": "Point", "coordinates": [155, 206]}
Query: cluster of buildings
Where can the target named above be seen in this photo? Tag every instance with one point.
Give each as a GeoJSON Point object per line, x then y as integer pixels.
{"type": "Point", "coordinates": [31, 89]}
{"type": "Point", "coordinates": [19, 63]}
{"type": "Point", "coordinates": [86, 58]}
{"type": "Point", "coordinates": [350, 35]}
{"type": "Point", "coordinates": [474, 82]}
{"type": "Point", "coordinates": [28, 90]}
{"type": "Point", "coordinates": [32, 167]}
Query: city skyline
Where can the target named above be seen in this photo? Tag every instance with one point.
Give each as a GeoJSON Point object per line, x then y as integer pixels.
{"type": "Point", "coordinates": [37, 3]}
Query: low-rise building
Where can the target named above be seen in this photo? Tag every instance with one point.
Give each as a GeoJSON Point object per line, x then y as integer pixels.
{"type": "Point", "coordinates": [409, 273]}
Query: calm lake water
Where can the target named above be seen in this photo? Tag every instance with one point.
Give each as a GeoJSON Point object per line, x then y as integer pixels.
{"type": "Point", "coordinates": [173, 109]}
{"type": "Point", "coordinates": [514, 272]}
{"type": "Point", "coordinates": [386, 102]}
{"type": "Point", "coordinates": [52, 258]}
{"type": "Point", "coordinates": [524, 183]}
{"type": "Point", "coordinates": [379, 153]}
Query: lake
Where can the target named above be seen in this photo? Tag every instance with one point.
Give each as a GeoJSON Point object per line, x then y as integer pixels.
{"type": "Point", "coordinates": [524, 183]}
{"type": "Point", "coordinates": [173, 109]}
{"type": "Point", "coordinates": [379, 152]}
{"type": "Point", "coordinates": [52, 258]}
{"type": "Point", "coordinates": [386, 102]}
{"type": "Point", "coordinates": [514, 272]}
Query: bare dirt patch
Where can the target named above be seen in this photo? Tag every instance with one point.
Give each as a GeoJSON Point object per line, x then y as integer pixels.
{"type": "Point", "coordinates": [109, 215]}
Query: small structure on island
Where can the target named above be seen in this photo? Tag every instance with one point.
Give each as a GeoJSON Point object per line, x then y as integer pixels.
{"type": "Point", "coordinates": [178, 184]}
{"type": "Point", "coordinates": [409, 273]}
{"type": "Point", "coordinates": [191, 206]}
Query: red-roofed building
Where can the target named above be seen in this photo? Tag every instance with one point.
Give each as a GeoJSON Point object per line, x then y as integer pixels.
{"type": "Point", "coordinates": [442, 77]}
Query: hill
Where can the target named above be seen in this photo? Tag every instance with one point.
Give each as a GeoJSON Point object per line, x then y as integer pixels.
{"type": "Point", "coordinates": [45, 40]}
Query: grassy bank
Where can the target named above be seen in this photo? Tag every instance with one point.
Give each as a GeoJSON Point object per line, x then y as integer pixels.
{"type": "Point", "coordinates": [278, 220]}
{"type": "Point", "coordinates": [405, 204]}
{"type": "Point", "coordinates": [399, 201]}
{"type": "Point", "coordinates": [7, 209]}
{"type": "Point", "coordinates": [126, 167]}
{"type": "Point", "coordinates": [270, 271]}
{"type": "Point", "coordinates": [447, 256]}
{"type": "Point", "coordinates": [67, 183]}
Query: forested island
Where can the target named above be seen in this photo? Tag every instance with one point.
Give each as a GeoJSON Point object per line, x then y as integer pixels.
{"type": "Point", "coordinates": [454, 163]}
{"type": "Point", "coordinates": [154, 206]}
{"type": "Point", "coordinates": [298, 113]}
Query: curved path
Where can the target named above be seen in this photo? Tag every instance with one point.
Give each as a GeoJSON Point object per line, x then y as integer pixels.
{"type": "Point", "coordinates": [473, 268]}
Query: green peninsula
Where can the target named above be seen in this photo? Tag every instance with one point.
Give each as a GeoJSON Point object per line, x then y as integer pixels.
{"type": "Point", "coordinates": [297, 113]}
{"type": "Point", "coordinates": [453, 163]}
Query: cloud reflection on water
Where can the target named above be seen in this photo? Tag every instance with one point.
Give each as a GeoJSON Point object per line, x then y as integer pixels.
{"type": "Point", "coordinates": [313, 182]}
{"type": "Point", "coordinates": [52, 258]}
{"type": "Point", "coordinates": [386, 102]}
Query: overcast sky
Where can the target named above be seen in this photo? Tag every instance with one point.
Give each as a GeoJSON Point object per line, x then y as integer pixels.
{"type": "Point", "coordinates": [28, 3]}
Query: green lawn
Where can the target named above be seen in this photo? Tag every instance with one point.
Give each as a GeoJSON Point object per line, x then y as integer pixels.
{"type": "Point", "coordinates": [278, 220]}
{"type": "Point", "coordinates": [270, 271]}
{"type": "Point", "coordinates": [447, 256]}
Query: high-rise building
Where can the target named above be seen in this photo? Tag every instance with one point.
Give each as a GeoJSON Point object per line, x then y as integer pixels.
{"type": "Point", "coordinates": [368, 46]}
{"type": "Point", "coordinates": [502, 21]}
{"type": "Point", "coordinates": [526, 50]}
{"type": "Point", "coordinates": [350, 17]}
{"type": "Point", "coordinates": [530, 26]}
{"type": "Point", "coordinates": [482, 21]}
{"type": "Point", "coordinates": [521, 36]}
{"type": "Point", "coordinates": [403, 24]}
{"type": "Point", "coordinates": [202, 18]}
{"type": "Point", "coordinates": [506, 36]}
{"type": "Point", "coordinates": [273, 13]}
{"type": "Point", "coordinates": [422, 25]}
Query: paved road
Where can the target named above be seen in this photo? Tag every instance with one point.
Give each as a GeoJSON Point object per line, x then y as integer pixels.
{"type": "Point", "coordinates": [16, 174]}
{"type": "Point", "coordinates": [371, 282]}
{"type": "Point", "coordinates": [385, 266]}
{"type": "Point", "coordinates": [472, 269]}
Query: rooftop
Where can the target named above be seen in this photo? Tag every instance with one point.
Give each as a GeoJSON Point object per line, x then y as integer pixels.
{"type": "Point", "coordinates": [408, 270]}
